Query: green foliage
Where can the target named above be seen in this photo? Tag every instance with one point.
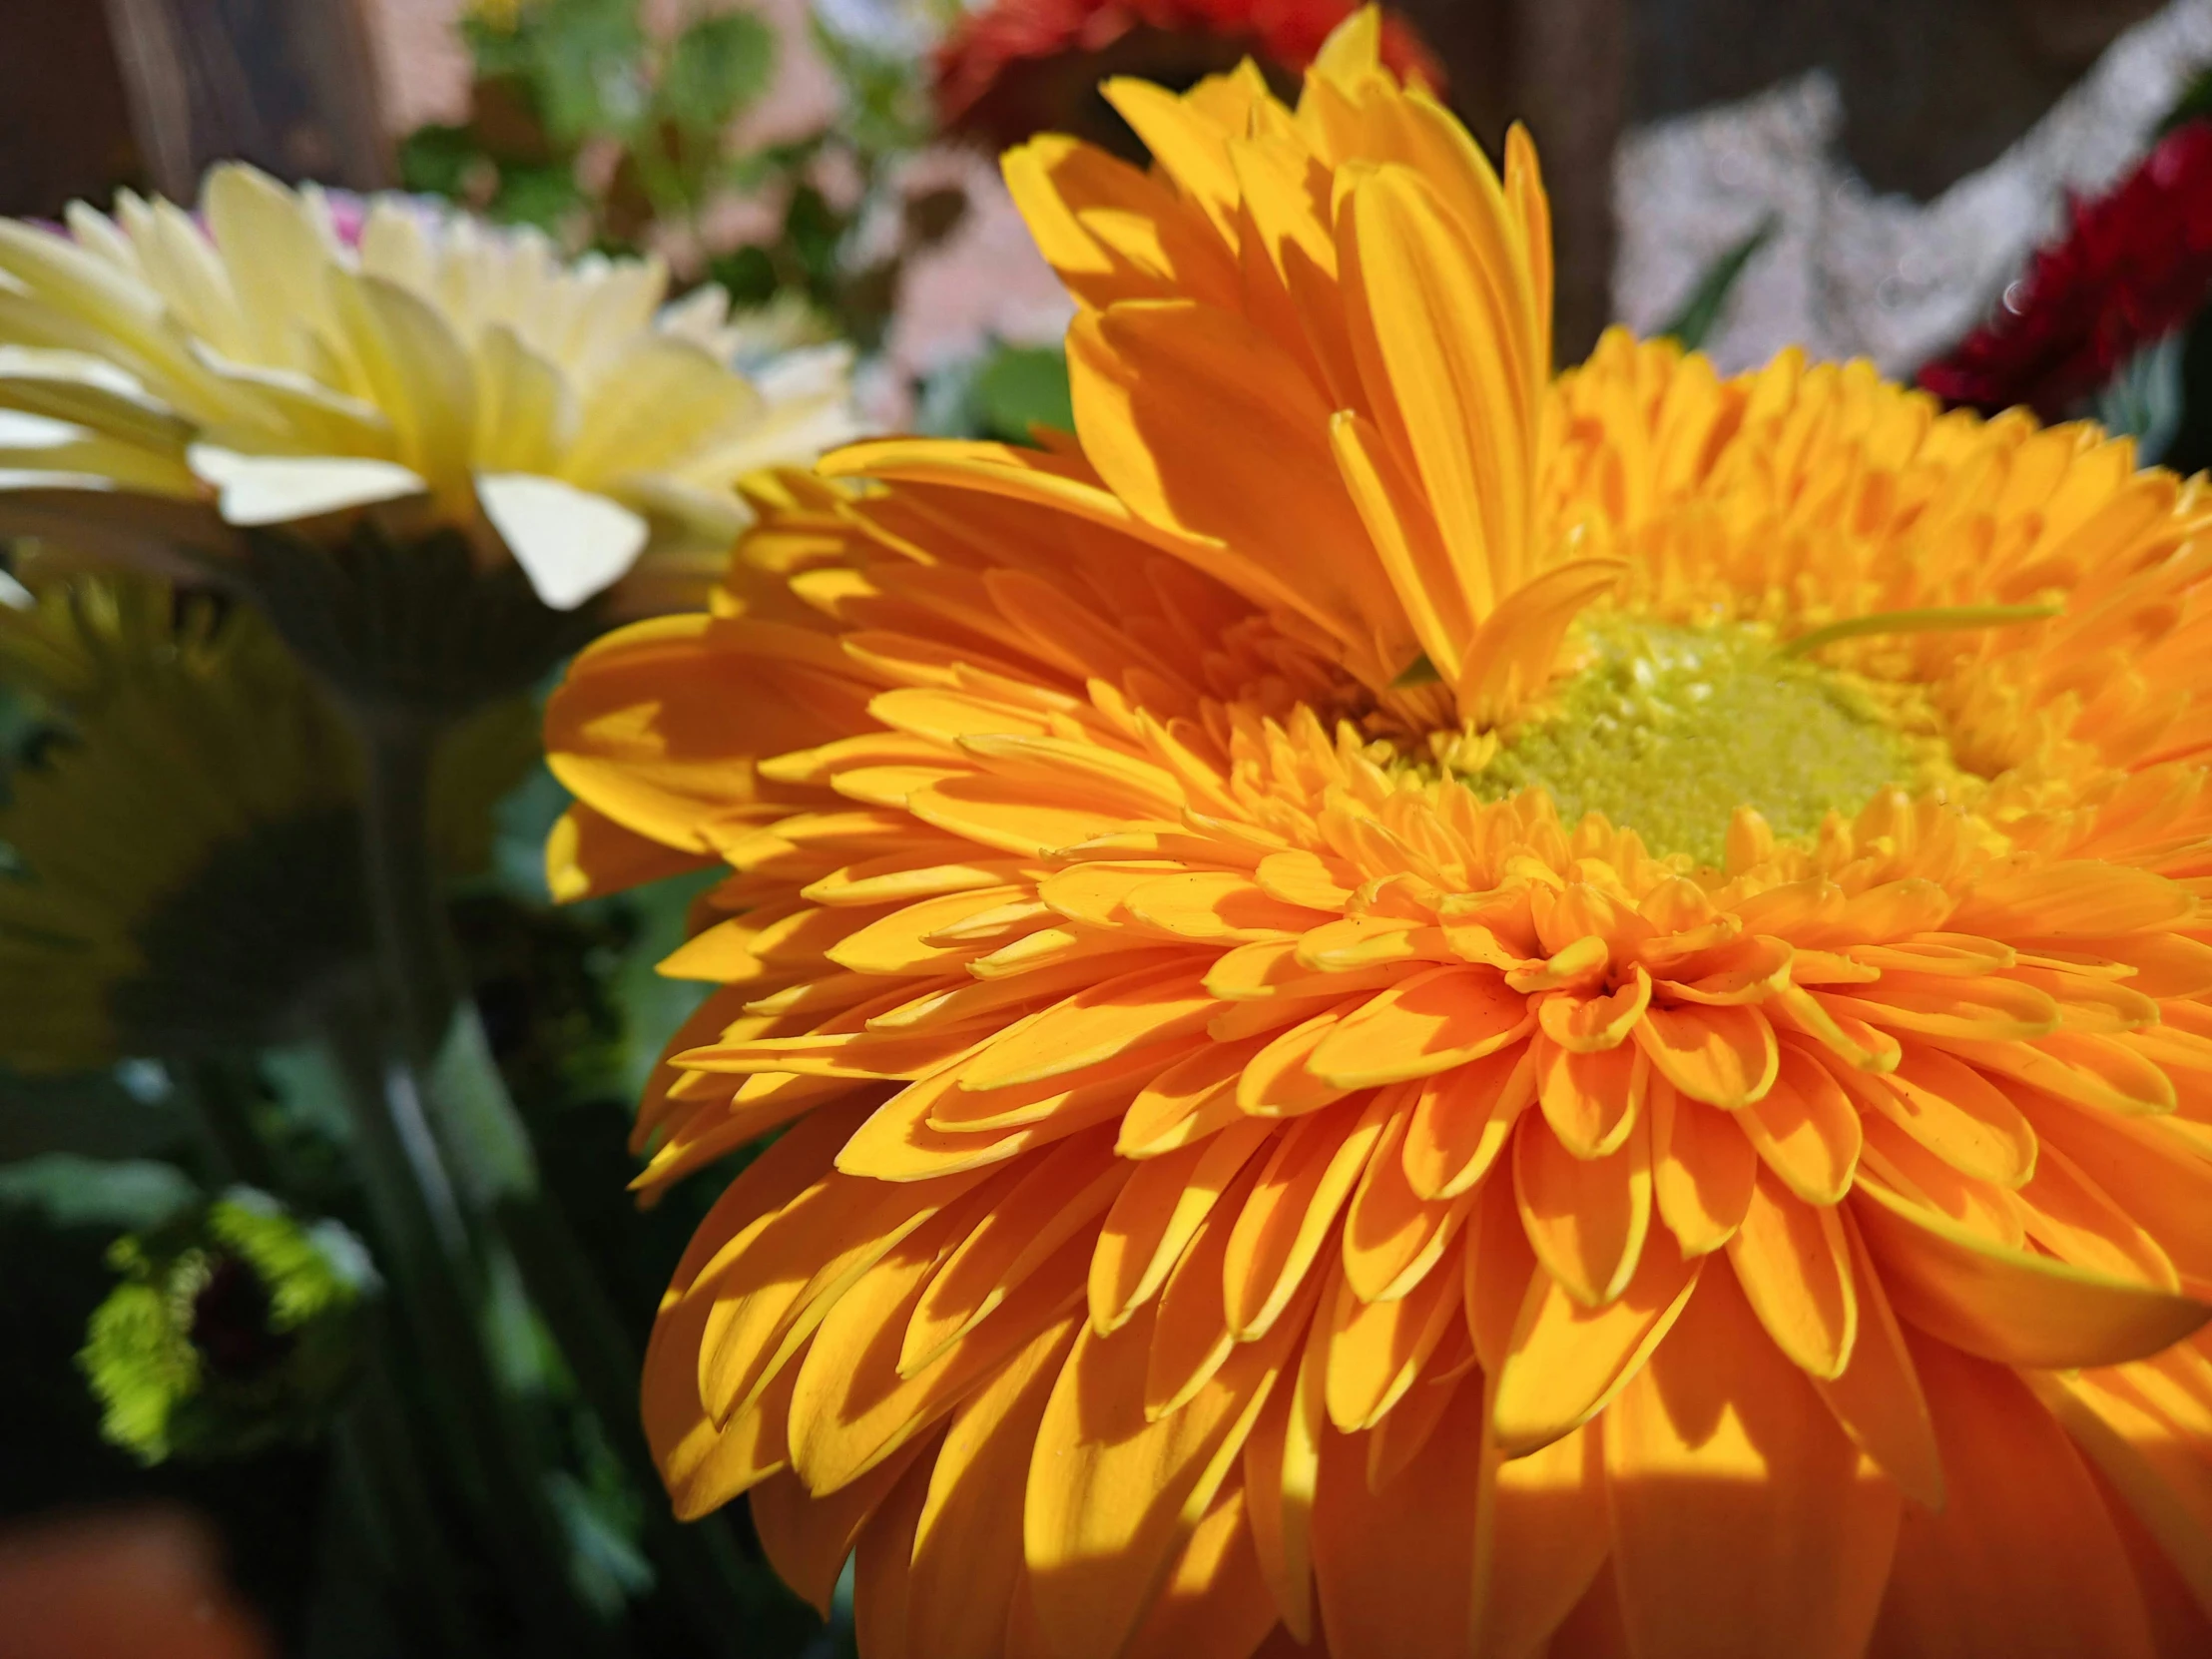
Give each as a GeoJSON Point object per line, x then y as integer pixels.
{"type": "Point", "coordinates": [886, 104]}
{"type": "Point", "coordinates": [65, 1189]}
{"type": "Point", "coordinates": [715, 67]}
{"type": "Point", "coordinates": [1701, 312]}
{"type": "Point", "coordinates": [560, 76]}
{"type": "Point", "coordinates": [1007, 392]}
{"type": "Point", "coordinates": [2194, 103]}
{"type": "Point", "coordinates": [1022, 388]}
{"type": "Point", "coordinates": [2146, 399]}
{"type": "Point", "coordinates": [556, 79]}
{"type": "Point", "coordinates": [93, 1115]}
{"type": "Point", "coordinates": [436, 160]}
{"type": "Point", "coordinates": [234, 1326]}
{"type": "Point", "coordinates": [544, 196]}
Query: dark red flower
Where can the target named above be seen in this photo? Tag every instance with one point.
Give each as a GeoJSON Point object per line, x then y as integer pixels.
{"type": "Point", "coordinates": [1022, 67]}
{"type": "Point", "coordinates": [2135, 264]}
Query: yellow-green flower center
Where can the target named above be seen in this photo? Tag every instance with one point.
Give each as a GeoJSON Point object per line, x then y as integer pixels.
{"type": "Point", "coordinates": [1667, 730]}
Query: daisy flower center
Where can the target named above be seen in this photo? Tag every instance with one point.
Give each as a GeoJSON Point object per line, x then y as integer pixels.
{"type": "Point", "coordinates": [1667, 728]}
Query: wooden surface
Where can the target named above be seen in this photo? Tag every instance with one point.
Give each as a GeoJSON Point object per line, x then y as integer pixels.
{"type": "Point", "coordinates": [64, 125]}
{"type": "Point", "coordinates": [286, 84]}
{"type": "Point", "coordinates": [1562, 67]}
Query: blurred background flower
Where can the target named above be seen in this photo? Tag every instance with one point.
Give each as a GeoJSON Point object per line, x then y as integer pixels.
{"type": "Point", "coordinates": [60, 1589]}
{"type": "Point", "coordinates": [2134, 264]}
{"type": "Point", "coordinates": [232, 1326]}
{"type": "Point", "coordinates": [180, 380]}
{"type": "Point", "coordinates": [1017, 68]}
{"type": "Point", "coordinates": [184, 826]}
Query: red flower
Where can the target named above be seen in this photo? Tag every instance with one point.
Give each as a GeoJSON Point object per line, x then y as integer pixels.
{"type": "Point", "coordinates": [1022, 67]}
{"type": "Point", "coordinates": [2136, 264]}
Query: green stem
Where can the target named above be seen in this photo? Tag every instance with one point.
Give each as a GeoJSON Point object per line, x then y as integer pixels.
{"type": "Point", "coordinates": [388, 1053]}
{"type": "Point", "coordinates": [382, 1463]}
{"type": "Point", "coordinates": [701, 1561]}
{"type": "Point", "coordinates": [453, 1074]}
{"type": "Point", "coordinates": [1935, 619]}
{"type": "Point", "coordinates": [221, 1106]}
{"type": "Point", "coordinates": [419, 969]}
{"type": "Point", "coordinates": [442, 1296]}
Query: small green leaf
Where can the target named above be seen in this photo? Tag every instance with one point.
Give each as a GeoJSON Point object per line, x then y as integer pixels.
{"type": "Point", "coordinates": [91, 1114]}
{"type": "Point", "coordinates": [1702, 311]}
{"type": "Point", "coordinates": [233, 1327]}
{"type": "Point", "coordinates": [586, 68]}
{"type": "Point", "coordinates": [1021, 388]}
{"type": "Point", "coordinates": [2146, 398]}
{"type": "Point", "coordinates": [435, 159]}
{"type": "Point", "coordinates": [715, 67]}
{"type": "Point", "coordinates": [2194, 103]}
{"type": "Point", "coordinates": [1934, 619]}
{"type": "Point", "coordinates": [748, 273]}
{"type": "Point", "coordinates": [540, 196]}
{"type": "Point", "coordinates": [1419, 672]}
{"type": "Point", "coordinates": [70, 1191]}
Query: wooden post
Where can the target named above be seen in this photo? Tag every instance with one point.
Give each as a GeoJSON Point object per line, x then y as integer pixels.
{"type": "Point", "coordinates": [285, 84]}
{"type": "Point", "coordinates": [64, 126]}
{"type": "Point", "coordinates": [1560, 65]}
{"type": "Point", "coordinates": [1570, 85]}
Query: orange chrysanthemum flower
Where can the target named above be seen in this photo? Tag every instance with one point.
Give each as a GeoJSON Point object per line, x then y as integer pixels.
{"type": "Point", "coordinates": [1417, 1009]}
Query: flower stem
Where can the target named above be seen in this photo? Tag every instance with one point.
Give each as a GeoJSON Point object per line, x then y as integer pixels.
{"type": "Point", "coordinates": [386, 1049]}
{"type": "Point", "coordinates": [418, 971]}
{"type": "Point", "coordinates": [1941, 619]}
{"type": "Point", "coordinates": [443, 1300]}
{"type": "Point", "coordinates": [454, 1102]}
{"type": "Point", "coordinates": [218, 1099]}
{"type": "Point", "coordinates": [382, 1463]}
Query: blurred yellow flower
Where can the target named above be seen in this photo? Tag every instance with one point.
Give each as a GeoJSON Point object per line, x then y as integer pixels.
{"type": "Point", "coordinates": [171, 379]}
{"type": "Point", "coordinates": [184, 850]}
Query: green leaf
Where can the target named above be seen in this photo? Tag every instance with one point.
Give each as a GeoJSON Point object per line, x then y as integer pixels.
{"type": "Point", "coordinates": [814, 231]}
{"type": "Point", "coordinates": [2194, 103]}
{"type": "Point", "coordinates": [1022, 387]}
{"type": "Point", "coordinates": [91, 1115]}
{"type": "Point", "coordinates": [1702, 311]}
{"type": "Point", "coordinates": [715, 67]}
{"type": "Point", "coordinates": [540, 196]}
{"type": "Point", "coordinates": [608, 1567]}
{"type": "Point", "coordinates": [70, 1191]}
{"type": "Point", "coordinates": [586, 66]}
{"type": "Point", "coordinates": [748, 273]}
{"type": "Point", "coordinates": [500, 51]}
{"type": "Point", "coordinates": [2147, 398]}
{"type": "Point", "coordinates": [1419, 672]}
{"type": "Point", "coordinates": [435, 159]}
{"type": "Point", "coordinates": [887, 100]}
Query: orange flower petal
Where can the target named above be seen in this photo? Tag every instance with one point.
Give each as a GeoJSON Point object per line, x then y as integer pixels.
{"type": "Point", "coordinates": [1586, 1217]}
{"type": "Point", "coordinates": [2013, 1306]}
{"type": "Point", "coordinates": [1462, 1120]}
{"type": "Point", "coordinates": [1567, 1359]}
{"type": "Point", "coordinates": [1806, 1130]}
{"type": "Point", "coordinates": [1421, 1025]}
{"type": "Point", "coordinates": [2022, 1557]}
{"type": "Point", "coordinates": [1703, 1166]}
{"type": "Point", "coordinates": [1723, 1056]}
{"type": "Point", "coordinates": [1794, 1265]}
{"type": "Point", "coordinates": [1744, 1522]}
{"type": "Point", "coordinates": [1590, 1100]}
